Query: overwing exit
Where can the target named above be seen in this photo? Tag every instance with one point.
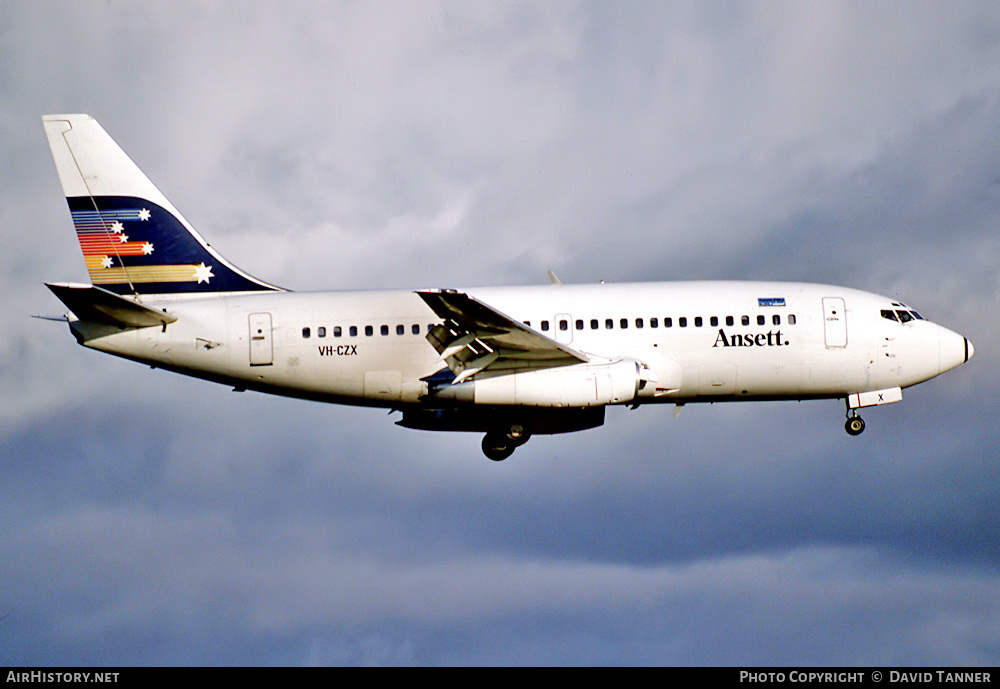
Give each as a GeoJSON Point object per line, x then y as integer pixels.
{"type": "Point", "coordinates": [507, 362]}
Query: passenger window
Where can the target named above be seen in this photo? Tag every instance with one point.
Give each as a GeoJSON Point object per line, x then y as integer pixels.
{"type": "Point", "coordinates": [609, 324]}
{"type": "Point", "coordinates": [697, 321]}
{"type": "Point", "coordinates": [545, 326]}
{"type": "Point", "coordinates": [337, 332]}
{"type": "Point", "coordinates": [729, 320]}
{"type": "Point", "coordinates": [528, 323]}
{"type": "Point", "coordinates": [305, 333]}
{"type": "Point", "coordinates": [682, 321]}
{"type": "Point", "coordinates": [654, 322]}
{"type": "Point", "coordinates": [579, 324]}
{"type": "Point", "coordinates": [563, 324]}
{"type": "Point", "coordinates": [354, 331]}
{"type": "Point", "coordinates": [321, 332]}
{"type": "Point", "coordinates": [638, 322]}
{"type": "Point", "coordinates": [791, 320]}
{"type": "Point", "coordinates": [416, 329]}
{"type": "Point", "coordinates": [714, 321]}
{"type": "Point", "coordinates": [745, 320]}
{"type": "Point", "coordinates": [384, 329]}
{"type": "Point", "coordinates": [400, 329]}
{"type": "Point", "coordinates": [668, 322]}
{"type": "Point", "coordinates": [594, 324]}
{"type": "Point", "coordinates": [776, 319]}
{"type": "Point", "coordinates": [761, 320]}
{"type": "Point", "coordinates": [369, 330]}
{"type": "Point", "coordinates": [624, 323]}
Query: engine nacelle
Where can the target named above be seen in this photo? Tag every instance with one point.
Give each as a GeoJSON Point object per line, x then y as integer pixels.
{"type": "Point", "coordinates": [582, 385]}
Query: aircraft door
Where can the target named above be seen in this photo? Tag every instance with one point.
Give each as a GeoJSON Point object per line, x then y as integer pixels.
{"type": "Point", "coordinates": [834, 322]}
{"type": "Point", "coordinates": [564, 328]}
{"type": "Point", "coordinates": [261, 340]}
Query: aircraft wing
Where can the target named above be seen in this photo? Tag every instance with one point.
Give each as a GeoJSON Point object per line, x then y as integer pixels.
{"type": "Point", "coordinates": [475, 337]}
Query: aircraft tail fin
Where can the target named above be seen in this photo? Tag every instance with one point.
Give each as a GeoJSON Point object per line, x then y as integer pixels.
{"type": "Point", "coordinates": [133, 240]}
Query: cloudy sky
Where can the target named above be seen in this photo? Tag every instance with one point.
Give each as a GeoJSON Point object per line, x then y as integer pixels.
{"type": "Point", "coordinates": [152, 519]}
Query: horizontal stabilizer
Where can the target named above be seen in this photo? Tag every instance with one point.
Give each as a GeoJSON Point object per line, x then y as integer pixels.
{"type": "Point", "coordinates": [97, 305]}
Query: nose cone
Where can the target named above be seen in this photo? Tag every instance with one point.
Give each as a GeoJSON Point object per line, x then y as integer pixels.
{"type": "Point", "coordinates": [955, 350]}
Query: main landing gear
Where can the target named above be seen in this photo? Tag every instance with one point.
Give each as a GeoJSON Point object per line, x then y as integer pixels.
{"type": "Point", "coordinates": [500, 443]}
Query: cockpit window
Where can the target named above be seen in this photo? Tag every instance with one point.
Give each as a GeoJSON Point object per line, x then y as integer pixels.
{"type": "Point", "coordinates": [917, 315]}
{"type": "Point", "coordinates": [889, 315]}
{"type": "Point", "coordinates": [904, 316]}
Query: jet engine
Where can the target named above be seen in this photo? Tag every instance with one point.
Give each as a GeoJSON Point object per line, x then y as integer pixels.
{"type": "Point", "coordinates": [581, 385]}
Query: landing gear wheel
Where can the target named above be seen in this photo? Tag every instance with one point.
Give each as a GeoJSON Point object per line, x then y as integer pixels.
{"type": "Point", "coordinates": [517, 433]}
{"type": "Point", "coordinates": [855, 425]}
{"type": "Point", "coordinates": [497, 447]}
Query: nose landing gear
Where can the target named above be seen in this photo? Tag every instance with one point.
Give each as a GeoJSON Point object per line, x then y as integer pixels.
{"type": "Point", "coordinates": [855, 424]}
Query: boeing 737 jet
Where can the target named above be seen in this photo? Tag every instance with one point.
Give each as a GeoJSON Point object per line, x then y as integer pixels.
{"type": "Point", "coordinates": [508, 362]}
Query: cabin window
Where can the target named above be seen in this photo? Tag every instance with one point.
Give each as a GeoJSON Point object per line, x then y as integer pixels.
{"type": "Point", "coordinates": [697, 321]}
{"type": "Point", "coordinates": [594, 324]}
{"type": "Point", "coordinates": [624, 323]}
{"type": "Point", "coordinates": [682, 321]}
{"type": "Point", "coordinates": [305, 333]}
{"type": "Point", "coordinates": [730, 321]}
{"type": "Point", "coordinates": [761, 320]}
{"type": "Point", "coordinates": [384, 329]}
{"type": "Point", "coordinates": [337, 332]}
{"type": "Point", "coordinates": [321, 332]}
{"type": "Point", "coordinates": [791, 319]}
{"type": "Point", "coordinates": [563, 324]}
{"type": "Point", "coordinates": [545, 326]}
{"type": "Point", "coordinates": [369, 331]}
{"type": "Point", "coordinates": [579, 324]}
{"type": "Point", "coordinates": [416, 329]}
{"type": "Point", "coordinates": [400, 330]}
{"type": "Point", "coordinates": [776, 319]}
{"type": "Point", "coordinates": [654, 322]}
{"type": "Point", "coordinates": [714, 321]}
{"type": "Point", "coordinates": [528, 323]}
{"type": "Point", "coordinates": [745, 320]}
{"type": "Point", "coordinates": [354, 331]}
{"type": "Point", "coordinates": [609, 324]}
{"type": "Point", "coordinates": [668, 322]}
{"type": "Point", "coordinates": [638, 322]}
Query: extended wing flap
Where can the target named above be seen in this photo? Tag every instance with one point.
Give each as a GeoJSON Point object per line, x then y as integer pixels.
{"type": "Point", "coordinates": [97, 305]}
{"type": "Point", "coordinates": [474, 334]}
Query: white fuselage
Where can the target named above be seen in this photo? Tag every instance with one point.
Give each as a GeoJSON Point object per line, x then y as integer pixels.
{"type": "Point", "coordinates": [701, 341]}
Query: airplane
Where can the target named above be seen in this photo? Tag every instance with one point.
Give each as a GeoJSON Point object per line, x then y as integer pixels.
{"type": "Point", "coordinates": [508, 362]}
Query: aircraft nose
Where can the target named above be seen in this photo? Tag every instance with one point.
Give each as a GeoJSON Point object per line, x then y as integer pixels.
{"type": "Point", "coordinates": [955, 350]}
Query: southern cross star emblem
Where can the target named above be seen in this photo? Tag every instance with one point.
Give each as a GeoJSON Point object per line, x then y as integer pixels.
{"type": "Point", "coordinates": [144, 214]}
{"type": "Point", "coordinates": [203, 273]}
{"type": "Point", "coordinates": [106, 262]}
{"type": "Point", "coordinates": [117, 227]}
